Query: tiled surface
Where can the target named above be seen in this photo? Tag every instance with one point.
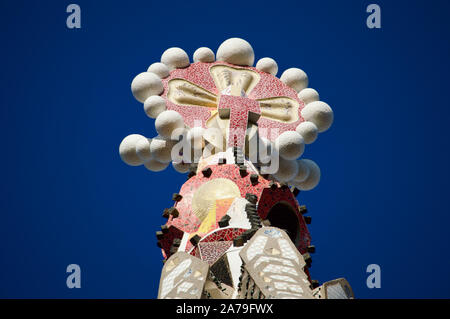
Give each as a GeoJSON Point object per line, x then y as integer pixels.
{"type": "Point", "coordinates": [271, 197]}
{"type": "Point", "coordinates": [187, 221]}
{"type": "Point", "coordinates": [168, 238]}
{"type": "Point", "coordinates": [213, 250]}
{"type": "Point", "coordinates": [183, 276]}
{"type": "Point", "coordinates": [199, 73]}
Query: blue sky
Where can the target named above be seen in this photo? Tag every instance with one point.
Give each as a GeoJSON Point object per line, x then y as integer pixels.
{"type": "Point", "coordinates": [66, 105]}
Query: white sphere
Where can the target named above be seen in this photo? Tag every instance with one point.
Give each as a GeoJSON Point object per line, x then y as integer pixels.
{"type": "Point", "coordinates": [155, 166]}
{"type": "Point", "coordinates": [287, 170]}
{"type": "Point", "coordinates": [154, 105]}
{"type": "Point", "coordinates": [313, 178]}
{"type": "Point", "coordinates": [204, 55]}
{"type": "Point", "coordinates": [175, 58]}
{"type": "Point", "coordinates": [161, 149]}
{"type": "Point", "coordinates": [320, 113]}
{"type": "Point", "coordinates": [160, 69]}
{"type": "Point", "coordinates": [308, 95]}
{"type": "Point", "coordinates": [236, 51]}
{"type": "Point", "coordinates": [167, 122]}
{"type": "Point", "coordinates": [181, 167]}
{"type": "Point", "coordinates": [146, 84]}
{"type": "Point", "coordinates": [308, 130]}
{"type": "Point", "coordinates": [302, 174]}
{"type": "Point", "coordinates": [195, 137]}
{"type": "Point", "coordinates": [267, 65]}
{"type": "Point", "coordinates": [143, 149]}
{"type": "Point", "coordinates": [295, 78]}
{"type": "Point", "coordinates": [290, 145]}
{"type": "Point", "coordinates": [127, 150]}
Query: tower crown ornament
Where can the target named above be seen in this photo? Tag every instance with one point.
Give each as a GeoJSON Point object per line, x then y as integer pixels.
{"type": "Point", "coordinates": [236, 229]}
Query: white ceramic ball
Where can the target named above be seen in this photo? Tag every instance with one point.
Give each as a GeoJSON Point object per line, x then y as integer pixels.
{"type": "Point", "coordinates": [303, 172]}
{"type": "Point", "coordinates": [308, 95]}
{"type": "Point", "coordinates": [295, 78]}
{"type": "Point", "coordinates": [161, 149]}
{"type": "Point", "coordinates": [143, 149]}
{"type": "Point", "coordinates": [308, 130]}
{"type": "Point", "coordinates": [160, 69]}
{"type": "Point", "coordinates": [155, 166]}
{"type": "Point", "coordinates": [267, 65]}
{"type": "Point", "coordinates": [204, 55]}
{"type": "Point", "coordinates": [181, 167]}
{"type": "Point", "coordinates": [236, 51]}
{"type": "Point", "coordinates": [127, 150]}
{"type": "Point", "coordinates": [320, 113]}
{"type": "Point", "coordinates": [195, 137]}
{"type": "Point", "coordinates": [167, 122]}
{"type": "Point", "coordinates": [175, 58]}
{"type": "Point", "coordinates": [313, 178]}
{"type": "Point", "coordinates": [287, 170]}
{"type": "Point", "coordinates": [154, 105]}
{"type": "Point", "coordinates": [290, 145]}
{"type": "Point", "coordinates": [146, 84]}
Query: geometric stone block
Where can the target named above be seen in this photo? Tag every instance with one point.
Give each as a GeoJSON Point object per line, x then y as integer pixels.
{"type": "Point", "coordinates": [254, 179]}
{"type": "Point", "coordinates": [183, 277]}
{"type": "Point", "coordinates": [252, 198]}
{"type": "Point", "coordinates": [177, 197]}
{"type": "Point", "coordinates": [224, 221]}
{"type": "Point", "coordinates": [269, 238]}
{"type": "Point", "coordinates": [274, 267]}
{"type": "Point", "coordinates": [195, 240]}
{"type": "Point", "coordinates": [334, 289]}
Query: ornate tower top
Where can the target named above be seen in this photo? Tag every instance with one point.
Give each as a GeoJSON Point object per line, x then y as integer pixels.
{"type": "Point", "coordinates": [236, 229]}
{"type": "Point", "coordinates": [204, 108]}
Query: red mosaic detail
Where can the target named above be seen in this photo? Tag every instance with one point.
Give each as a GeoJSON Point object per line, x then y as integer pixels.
{"type": "Point", "coordinates": [167, 240]}
{"type": "Point", "coordinates": [211, 251]}
{"type": "Point", "coordinates": [225, 234]}
{"type": "Point", "coordinates": [267, 87]}
{"type": "Point", "coordinates": [222, 235]}
{"type": "Point", "coordinates": [270, 197]}
{"type": "Point", "coordinates": [187, 221]}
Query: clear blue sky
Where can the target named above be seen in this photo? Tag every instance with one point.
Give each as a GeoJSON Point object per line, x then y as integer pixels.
{"type": "Point", "coordinates": [66, 104]}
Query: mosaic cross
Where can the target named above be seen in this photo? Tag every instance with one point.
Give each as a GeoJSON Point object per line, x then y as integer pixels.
{"type": "Point", "coordinates": [241, 94]}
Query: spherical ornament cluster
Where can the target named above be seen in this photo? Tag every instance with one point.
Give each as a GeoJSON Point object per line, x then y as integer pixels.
{"type": "Point", "coordinates": [314, 116]}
